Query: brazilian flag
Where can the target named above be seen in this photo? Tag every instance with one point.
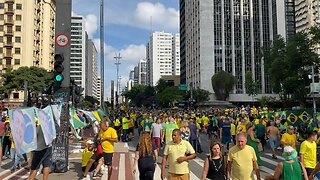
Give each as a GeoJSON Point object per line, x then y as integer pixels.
{"type": "Point", "coordinates": [304, 116]}
{"type": "Point", "coordinates": [292, 118]}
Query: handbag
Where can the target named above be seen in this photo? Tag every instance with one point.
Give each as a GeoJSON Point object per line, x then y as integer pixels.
{"type": "Point", "coordinates": [99, 150]}
{"type": "Point", "coordinates": [260, 148]}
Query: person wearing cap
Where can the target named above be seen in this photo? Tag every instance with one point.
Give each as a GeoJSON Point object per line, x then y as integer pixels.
{"type": "Point", "coordinates": [308, 152]}
{"type": "Point", "coordinates": [289, 138]}
{"type": "Point", "coordinates": [290, 168]}
{"type": "Point", "coordinates": [87, 153]}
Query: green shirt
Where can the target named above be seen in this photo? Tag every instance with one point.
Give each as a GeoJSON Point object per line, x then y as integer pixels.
{"type": "Point", "coordinates": [260, 130]}
{"type": "Point", "coordinates": [291, 171]}
{"type": "Point", "coordinates": [168, 128]}
{"type": "Point", "coordinates": [125, 124]}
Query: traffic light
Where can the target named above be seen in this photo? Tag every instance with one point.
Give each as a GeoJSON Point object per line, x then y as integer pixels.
{"type": "Point", "coordinates": [58, 68]}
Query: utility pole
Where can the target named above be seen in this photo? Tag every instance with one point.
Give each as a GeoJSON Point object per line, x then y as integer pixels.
{"type": "Point", "coordinates": [62, 79]}
{"type": "Point", "coordinates": [313, 87]}
{"type": "Point", "coordinates": [102, 54]}
{"type": "Point", "coordinates": [117, 57]}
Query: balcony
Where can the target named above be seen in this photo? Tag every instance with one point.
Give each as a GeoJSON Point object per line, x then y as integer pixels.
{"type": "Point", "coordinates": [9, 1]}
{"type": "Point", "coordinates": [7, 55]}
{"type": "Point", "coordinates": [8, 44]}
{"type": "Point", "coordinates": [8, 33]}
{"type": "Point", "coordinates": [8, 22]}
{"type": "Point", "coordinates": [8, 11]}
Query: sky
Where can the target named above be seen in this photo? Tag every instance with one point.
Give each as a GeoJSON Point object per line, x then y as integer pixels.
{"type": "Point", "coordinates": [128, 25]}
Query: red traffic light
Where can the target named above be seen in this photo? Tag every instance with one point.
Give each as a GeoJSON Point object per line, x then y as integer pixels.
{"type": "Point", "coordinates": [58, 58]}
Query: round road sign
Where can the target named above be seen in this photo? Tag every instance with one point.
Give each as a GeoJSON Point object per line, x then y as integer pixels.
{"type": "Point", "coordinates": [62, 40]}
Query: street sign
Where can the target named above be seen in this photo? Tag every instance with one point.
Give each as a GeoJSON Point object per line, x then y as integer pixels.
{"type": "Point", "coordinates": [183, 87]}
{"type": "Point", "coordinates": [315, 88]}
{"type": "Point", "coordinates": [62, 40]}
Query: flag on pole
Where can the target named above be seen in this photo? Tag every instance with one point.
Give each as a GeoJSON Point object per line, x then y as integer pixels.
{"type": "Point", "coordinates": [75, 121]}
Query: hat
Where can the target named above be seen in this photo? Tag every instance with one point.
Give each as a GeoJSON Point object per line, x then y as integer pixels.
{"type": "Point", "coordinates": [90, 141]}
{"type": "Point", "coordinates": [289, 153]}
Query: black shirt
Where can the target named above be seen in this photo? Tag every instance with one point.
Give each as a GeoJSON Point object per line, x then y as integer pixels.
{"type": "Point", "coordinates": [216, 169]}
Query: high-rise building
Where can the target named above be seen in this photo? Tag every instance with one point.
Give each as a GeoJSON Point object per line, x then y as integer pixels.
{"type": "Point", "coordinates": [78, 51]}
{"type": "Point", "coordinates": [91, 73]}
{"type": "Point", "coordinates": [307, 14]}
{"type": "Point", "coordinates": [160, 56]}
{"type": "Point", "coordinates": [136, 75]}
{"type": "Point", "coordinates": [27, 30]}
{"type": "Point", "coordinates": [283, 18]}
{"type": "Point", "coordinates": [176, 54]}
{"type": "Point", "coordinates": [142, 72]}
{"type": "Point", "coordinates": [99, 88]}
{"type": "Point", "coordinates": [225, 35]}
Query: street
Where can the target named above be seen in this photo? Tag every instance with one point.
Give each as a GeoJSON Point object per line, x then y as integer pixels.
{"type": "Point", "coordinates": [123, 160]}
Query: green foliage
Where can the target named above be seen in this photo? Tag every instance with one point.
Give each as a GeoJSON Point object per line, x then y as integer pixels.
{"type": "Point", "coordinates": [222, 84]}
{"type": "Point", "coordinates": [37, 79]}
{"type": "Point", "coordinates": [161, 86]}
{"type": "Point", "coordinates": [140, 95]}
{"type": "Point", "coordinates": [288, 64]}
{"type": "Point", "coordinates": [91, 100]}
{"type": "Point", "coordinates": [251, 85]}
{"type": "Point", "coordinates": [199, 95]}
{"type": "Point", "coordinates": [169, 95]}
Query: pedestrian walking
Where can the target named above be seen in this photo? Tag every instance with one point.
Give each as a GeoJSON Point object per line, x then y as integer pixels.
{"type": "Point", "coordinates": [242, 160]}
{"type": "Point", "coordinates": [146, 157]}
{"type": "Point", "coordinates": [177, 152]}
{"type": "Point", "coordinates": [289, 138]}
{"type": "Point", "coordinates": [308, 152]}
{"type": "Point", "coordinates": [273, 134]}
{"type": "Point", "coordinates": [290, 168]}
{"type": "Point", "coordinates": [156, 132]}
{"type": "Point", "coordinates": [214, 165]}
{"type": "Point", "coordinates": [253, 141]}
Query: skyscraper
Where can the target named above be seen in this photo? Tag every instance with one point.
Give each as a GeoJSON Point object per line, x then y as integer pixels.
{"type": "Point", "coordinates": [91, 73]}
{"type": "Point", "coordinates": [307, 14]}
{"type": "Point", "coordinates": [225, 35]}
{"type": "Point", "coordinates": [78, 51]}
{"type": "Point", "coordinates": [142, 71]}
{"type": "Point", "coordinates": [26, 36]}
{"type": "Point", "coordinates": [160, 56]}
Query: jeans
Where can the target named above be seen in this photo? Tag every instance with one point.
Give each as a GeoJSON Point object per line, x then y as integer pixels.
{"type": "Point", "coordinates": [15, 158]}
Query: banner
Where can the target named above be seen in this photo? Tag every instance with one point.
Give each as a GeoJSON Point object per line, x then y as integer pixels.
{"type": "Point", "coordinates": [96, 115]}
{"type": "Point", "coordinates": [23, 128]}
{"type": "Point", "coordinates": [47, 124]}
{"type": "Point", "coordinates": [75, 121]}
{"type": "Point", "coordinates": [56, 109]}
{"type": "Point", "coordinates": [89, 114]}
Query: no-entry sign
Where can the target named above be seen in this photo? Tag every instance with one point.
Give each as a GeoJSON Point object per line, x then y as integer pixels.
{"type": "Point", "coordinates": [62, 40]}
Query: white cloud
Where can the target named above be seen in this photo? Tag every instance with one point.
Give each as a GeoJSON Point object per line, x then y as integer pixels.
{"type": "Point", "coordinates": [91, 21]}
{"type": "Point", "coordinates": [132, 52]}
{"type": "Point", "coordinates": [130, 67]}
{"type": "Point", "coordinates": [107, 48]}
{"type": "Point", "coordinates": [157, 14]}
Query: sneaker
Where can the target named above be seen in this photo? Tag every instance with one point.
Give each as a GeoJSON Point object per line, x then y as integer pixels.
{"type": "Point", "coordinates": [274, 157]}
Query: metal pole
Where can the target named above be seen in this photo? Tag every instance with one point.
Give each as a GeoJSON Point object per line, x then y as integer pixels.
{"type": "Point", "coordinates": [25, 87]}
{"type": "Point", "coordinates": [117, 57]}
{"type": "Point", "coordinates": [102, 54]}
{"type": "Point", "coordinates": [313, 86]}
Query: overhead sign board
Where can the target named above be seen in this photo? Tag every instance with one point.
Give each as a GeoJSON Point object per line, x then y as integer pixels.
{"type": "Point", "coordinates": [183, 87]}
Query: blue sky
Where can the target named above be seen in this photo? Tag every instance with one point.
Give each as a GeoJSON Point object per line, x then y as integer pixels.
{"type": "Point", "coordinates": [127, 29]}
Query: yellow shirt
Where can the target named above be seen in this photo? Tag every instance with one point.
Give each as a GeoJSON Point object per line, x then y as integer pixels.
{"type": "Point", "coordinates": [241, 128]}
{"type": "Point", "coordinates": [233, 129]}
{"type": "Point", "coordinates": [242, 162]}
{"type": "Point", "coordinates": [108, 146]}
{"type": "Point", "coordinates": [309, 152]}
{"type": "Point", "coordinates": [286, 137]}
{"type": "Point", "coordinates": [86, 156]}
{"type": "Point", "coordinates": [174, 151]}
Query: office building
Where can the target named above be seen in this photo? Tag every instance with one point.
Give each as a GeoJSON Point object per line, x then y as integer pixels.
{"type": "Point", "coordinates": [142, 72]}
{"type": "Point", "coordinates": [91, 74]}
{"type": "Point", "coordinates": [160, 56]}
{"type": "Point", "coordinates": [217, 35]}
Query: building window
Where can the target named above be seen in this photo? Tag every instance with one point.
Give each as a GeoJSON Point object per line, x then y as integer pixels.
{"type": "Point", "coordinates": [18, 6]}
{"type": "Point", "coordinates": [1, 50]}
{"type": "Point", "coordinates": [16, 61]}
{"type": "Point", "coordinates": [1, 27]}
{"type": "Point", "coordinates": [1, 39]}
{"type": "Point", "coordinates": [18, 39]}
{"type": "Point", "coordinates": [8, 62]}
{"type": "Point", "coordinates": [18, 28]}
{"type": "Point", "coordinates": [18, 17]}
{"type": "Point", "coordinates": [15, 95]}
{"type": "Point", "coordinates": [0, 61]}
{"type": "Point", "coordinates": [17, 50]}
{"type": "Point", "coordinates": [1, 5]}
{"type": "Point", "coordinates": [1, 16]}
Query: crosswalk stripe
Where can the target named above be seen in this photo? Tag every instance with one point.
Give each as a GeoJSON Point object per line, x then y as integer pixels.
{"type": "Point", "coordinates": [279, 157]}
{"type": "Point", "coordinates": [267, 170]}
{"type": "Point", "coordinates": [269, 161]}
{"type": "Point", "coordinates": [122, 166]}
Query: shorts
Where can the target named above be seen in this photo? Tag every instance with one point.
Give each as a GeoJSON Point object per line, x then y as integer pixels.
{"type": "Point", "coordinates": [107, 158]}
{"type": "Point", "coordinates": [41, 157]}
{"type": "Point", "coordinates": [273, 141]}
{"type": "Point", "coordinates": [172, 176]}
{"type": "Point", "coordinates": [156, 142]}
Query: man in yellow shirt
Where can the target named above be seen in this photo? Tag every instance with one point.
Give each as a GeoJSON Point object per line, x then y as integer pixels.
{"type": "Point", "coordinates": [308, 152]}
{"type": "Point", "coordinates": [107, 137]}
{"type": "Point", "coordinates": [178, 152]}
{"type": "Point", "coordinates": [242, 160]}
{"type": "Point", "coordinates": [289, 138]}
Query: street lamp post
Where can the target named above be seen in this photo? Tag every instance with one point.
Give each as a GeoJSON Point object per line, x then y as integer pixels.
{"type": "Point", "coordinates": [117, 57]}
{"type": "Point", "coordinates": [313, 87]}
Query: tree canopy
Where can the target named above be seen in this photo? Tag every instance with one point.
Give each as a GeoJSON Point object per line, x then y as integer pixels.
{"type": "Point", "coordinates": [222, 84]}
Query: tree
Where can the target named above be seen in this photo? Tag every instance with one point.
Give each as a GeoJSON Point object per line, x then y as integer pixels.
{"type": "Point", "coordinates": [222, 84]}
{"type": "Point", "coordinates": [251, 85]}
{"type": "Point", "coordinates": [169, 95]}
{"type": "Point", "coordinates": [289, 64]}
{"type": "Point", "coordinates": [37, 79]}
{"type": "Point", "coordinates": [91, 100]}
{"type": "Point", "coordinates": [199, 95]}
{"type": "Point", "coordinates": [161, 86]}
